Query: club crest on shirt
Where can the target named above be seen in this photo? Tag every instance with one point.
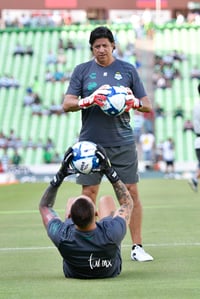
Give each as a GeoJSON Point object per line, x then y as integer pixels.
{"type": "Point", "coordinates": [93, 76]}
{"type": "Point", "coordinates": [118, 76]}
{"type": "Point", "coordinates": [91, 86]}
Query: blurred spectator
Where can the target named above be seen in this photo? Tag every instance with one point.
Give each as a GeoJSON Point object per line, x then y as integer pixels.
{"type": "Point", "coordinates": [51, 58]}
{"type": "Point", "coordinates": [59, 75]}
{"type": "Point", "coordinates": [37, 107]}
{"type": "Point", "coordinates": [180, 19]}
{"type": "Point", "coordinates": [49, 76]}
{"type": "Point", "coordinates": [159, 111]}
{"type": "Point", "coordinates": [16, 158]}
{"type": "Point", "coordinates": [39, 143]}
{"type": "Point", "coordinates": [167, 59]}
{"type": "Point", "coordinates": [195, 72]}
{"type": "Point", "coordinates": [9, 81]}
{"type": "Point", "coordinates": [19, 143]}
{"type": "Point", "coordinates": [36, 85]}
{"type": "Point", "coordinates": [60, 44]}
{"type": "Point", "coordinates": [38, 19]}
{"type": "Point", "coordinates": [178, 112]}
{"type": "Point", "coordinates": [47, 155]}
{"type": "Point", "coordinates": [180, 56]}
{"type": "Point", "coordinates": [3, 140]}
{"type": "Point", "coordinates": [147, 141]}
{"type": "Point", "coordinates": [37, 104]}
{"type": "Point", "coordinates": [159, 151]}
{"type": "Point", "coordinates": [70, 45]}
{"type": "Point", "coordinates": [168, 148]}
{"type": "Point", "coordinates": [61, 58]}
{"type": "Point", "coordinates": [57, 158]}
{"type": "Point", "coordinates": [10, 142]}
{"type": "Point", "coordinates": [29, 50]}
{"type": "Point", "coordinates": [19, 50]}
{"type": "Point", "coordinates": [8, 20]}
{"type": "Point", "coordinates": [5, 160]}
{"type": "Point", "coordinates": [161, 81]}
{"type": "Point", "coordinates": [170, 72]}
{"type": "Point", "coordinates": [188, 125]}
{"type": "Point", "coordinates": [30, 143]}
{"type": "Point", "coordinates": [29, 97]}
{"type": "Point", "coordinates": [55, 109]}
{"type": "Point", "coordinates": [49, 144]}
{"type": "Point", "coordinates": [12, 134]}
{"type": "Point", "coordinates": [24, 21]}
{"type": "Point", "coordinates": [22, 50]}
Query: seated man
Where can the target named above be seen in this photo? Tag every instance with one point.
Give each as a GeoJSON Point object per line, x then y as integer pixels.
{"type": "Point", "coordinates": [89, 248]}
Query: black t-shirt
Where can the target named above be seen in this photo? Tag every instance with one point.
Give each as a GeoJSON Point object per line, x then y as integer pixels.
{"type": "Point", "coordinates": [93, 254]}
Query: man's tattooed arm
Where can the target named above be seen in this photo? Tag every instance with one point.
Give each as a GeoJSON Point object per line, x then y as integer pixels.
{"type": "Point", "coordinates": [46, 203]}
{"type": "Point", "coordinates": [125, 201]}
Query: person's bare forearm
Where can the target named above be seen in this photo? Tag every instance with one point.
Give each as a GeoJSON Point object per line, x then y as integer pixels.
{"type": "Point", "coordinates": [46, 203]}
{"type": "Point", "coordinates": [123, 194]}
{"type": "Point", "coordinates": [70, 104]}
{"type": "Point", "coordinates": [49, 197]}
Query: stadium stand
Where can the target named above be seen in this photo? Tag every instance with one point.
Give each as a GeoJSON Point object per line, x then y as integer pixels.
{"type": "Point", "coordinates": [64, 128]}
{"type": "Point", "coordinates": [183, 91]}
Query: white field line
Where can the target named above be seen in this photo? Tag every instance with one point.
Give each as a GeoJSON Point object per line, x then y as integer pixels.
{"type": "Point", "coordinates": [123, 245]}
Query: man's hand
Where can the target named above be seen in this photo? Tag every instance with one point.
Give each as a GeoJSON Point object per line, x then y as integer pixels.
{"type": "Point", "coordinates": [64, 170]}
{"type": "Point", "coordinates": [131, 101]}
{"type": "Point", "coordinates": [96, 98]}
{"type": "Point", "coordinates": [105, 165]}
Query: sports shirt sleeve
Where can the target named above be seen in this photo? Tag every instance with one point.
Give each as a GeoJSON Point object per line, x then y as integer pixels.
{"type": "Point", "coordinates": [115, 228]}
{"type": "Point", "coordinates": [54, 230]}
{"type": "Point", "coordinates": [76, 85]}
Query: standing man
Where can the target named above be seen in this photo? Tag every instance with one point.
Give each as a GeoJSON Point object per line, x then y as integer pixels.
{"type": "Point", "coordinates": [113, 133]}
{"type": "Point", "coordinates": [196, 123]}
{"type": "Point", "coordinates": [89, 248]}
{"type": "Point", "coordinates": [168, 153]}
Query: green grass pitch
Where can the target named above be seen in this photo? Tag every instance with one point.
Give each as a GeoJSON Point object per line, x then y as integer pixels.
{"type": "Point", "coordinates": [30, 266]}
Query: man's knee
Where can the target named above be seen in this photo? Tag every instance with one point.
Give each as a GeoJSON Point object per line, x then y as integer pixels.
{"type": "Point", "coordinates": [91, 191]}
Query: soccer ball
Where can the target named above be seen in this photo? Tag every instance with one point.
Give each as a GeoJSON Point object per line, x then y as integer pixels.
{"type": "Point", "coordinates": [115, 103]}
{"type": "Point", "coordinates": [84, 160]}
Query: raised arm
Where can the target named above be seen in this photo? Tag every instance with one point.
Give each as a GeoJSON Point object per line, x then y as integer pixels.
{"type": "Point", "coordinates": [46, 203]}
{"type": "Point", "coordinates": [48, 199]}
{"type": "Point", "coordinates": [121, 191]}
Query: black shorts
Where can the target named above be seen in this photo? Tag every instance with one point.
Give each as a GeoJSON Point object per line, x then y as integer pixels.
{"type": "Point", "coordinates": [124, 160]}
{"type": "Point", "coordinates": [170, 163]}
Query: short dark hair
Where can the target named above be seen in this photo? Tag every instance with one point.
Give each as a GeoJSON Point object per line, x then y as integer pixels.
{"type": "Point", "coordinates": [101, 32]}
{"type": "Point", "coordinates": [82, 212]}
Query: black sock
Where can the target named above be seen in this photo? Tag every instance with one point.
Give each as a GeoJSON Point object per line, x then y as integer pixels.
{"type": "Point", "coordinates": [133, 247]}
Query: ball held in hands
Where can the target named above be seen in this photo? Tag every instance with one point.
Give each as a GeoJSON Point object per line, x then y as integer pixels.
{"type": "Point", "coordinates": [98, 97]}
{"type": "Point", "coordinates": [105, 165]}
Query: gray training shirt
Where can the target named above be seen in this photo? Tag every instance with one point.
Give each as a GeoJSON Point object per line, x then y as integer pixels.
{"type": "Point", "coordinates": [97, 126]}
{"type": "Point", "coordinates": [93, 254]}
